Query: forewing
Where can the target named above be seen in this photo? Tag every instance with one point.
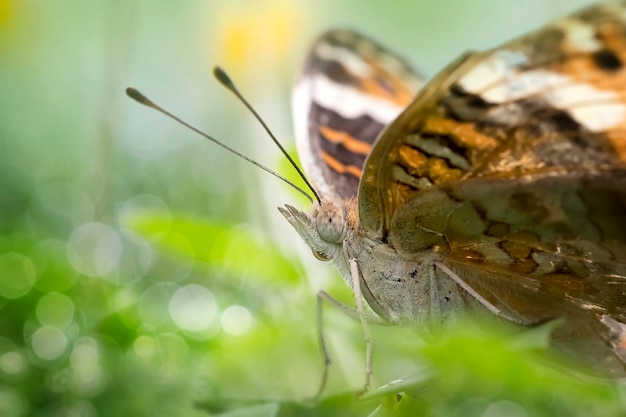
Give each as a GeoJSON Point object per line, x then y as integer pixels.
{"type": "Point", "coordinates": [511, 165]}
{"type": "Point", "coordinates": [350, 88]}
{"type": "Point", "coordinates": [550, 102]}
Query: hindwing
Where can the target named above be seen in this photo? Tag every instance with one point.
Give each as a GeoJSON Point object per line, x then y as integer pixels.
{"type": "Point", "coordinates": [349, 89]}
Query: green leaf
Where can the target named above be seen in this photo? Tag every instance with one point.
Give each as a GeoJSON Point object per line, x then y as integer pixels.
{"type": "Point", "coordinates": [232, 249]}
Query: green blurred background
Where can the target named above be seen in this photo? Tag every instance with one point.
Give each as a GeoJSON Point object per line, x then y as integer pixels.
{"type": "Point", "coordinates": [145, 272]}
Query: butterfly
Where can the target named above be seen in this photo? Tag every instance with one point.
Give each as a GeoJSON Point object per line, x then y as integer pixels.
{"type": "Point", "coordinates": [499, 187]}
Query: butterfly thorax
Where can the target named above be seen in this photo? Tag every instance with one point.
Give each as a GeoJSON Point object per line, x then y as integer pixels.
{"type": "Point", "coordinates": [412, 290]}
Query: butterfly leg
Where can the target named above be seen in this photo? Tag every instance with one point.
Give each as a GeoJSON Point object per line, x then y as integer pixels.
{"type": "Point", "coordinates": [356, 285]}
{"type": "Point", "coordinates": [348, 311]}
{"type": "Point", "coordinates": [321, 296]}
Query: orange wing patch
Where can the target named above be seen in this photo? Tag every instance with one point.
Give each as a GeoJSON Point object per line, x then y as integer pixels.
{"type": "Point", "coordinates": [337, 166]}
{"type": "Point", "coordinates": [463, 133]}
{"type": "Point", "coordinates": [349, 142]}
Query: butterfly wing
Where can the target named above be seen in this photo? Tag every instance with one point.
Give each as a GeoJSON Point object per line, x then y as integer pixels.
{"type": "Point", "coordinates": [546, 248]}
{"type": "Point", "coordinates": [349, 90]}
{"type": "Point", "coordinates": [513, 163]}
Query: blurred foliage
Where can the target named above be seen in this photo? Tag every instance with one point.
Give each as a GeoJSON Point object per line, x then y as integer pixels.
{"type": "Point", "coordinates": [233, 250]}
{"type": "Point", "coordinates": [144, 272]}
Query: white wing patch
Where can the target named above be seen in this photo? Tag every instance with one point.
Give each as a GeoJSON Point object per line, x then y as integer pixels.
{"type": "Point", "coordinates": [301, 103]}
{"type": "Point", "coordinates": [499, 80]}
{"type": "Point", "coordinates": [580, 36]}
{"type": "Point", "coordinates": [349, 102]}
{"type": "Point", "coordinates": [348, 59]}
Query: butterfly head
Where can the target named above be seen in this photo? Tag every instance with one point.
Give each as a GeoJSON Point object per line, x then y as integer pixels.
{"type": "Point", "coordinates": [323, 229]}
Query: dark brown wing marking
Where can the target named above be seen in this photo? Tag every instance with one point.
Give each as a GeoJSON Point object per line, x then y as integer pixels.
{"type": "Point", "coordinates": [349, 90]}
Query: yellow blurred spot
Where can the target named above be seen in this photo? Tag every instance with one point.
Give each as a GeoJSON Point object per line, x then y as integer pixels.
{"type": "Point", "coordinates": [6, 9]}
{"type": "Point", "coordinates": [263, 31]}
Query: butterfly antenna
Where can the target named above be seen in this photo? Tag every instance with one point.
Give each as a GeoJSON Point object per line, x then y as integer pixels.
{"type": "Point", "coordinates": [225, 80]}
{"type": "Point", "coordinates": [140, 98]}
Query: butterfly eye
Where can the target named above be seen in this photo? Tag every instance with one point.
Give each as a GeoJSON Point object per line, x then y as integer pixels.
{"type": "Point", "coordinates": [329, 224]}
{"type": "Point", "coordinates": [320, 255]}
